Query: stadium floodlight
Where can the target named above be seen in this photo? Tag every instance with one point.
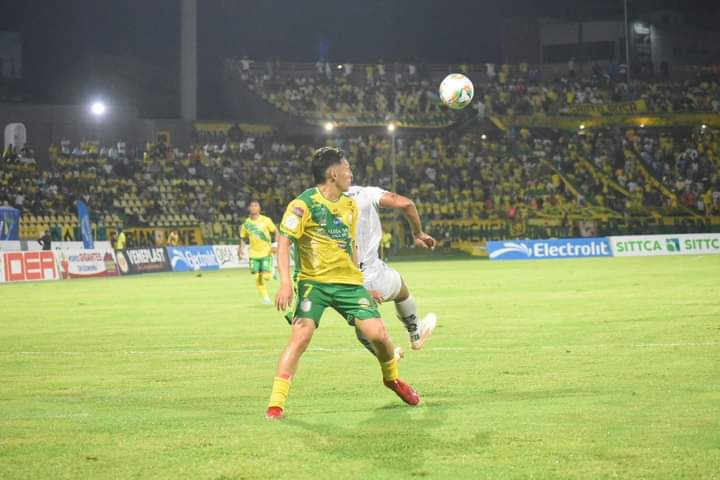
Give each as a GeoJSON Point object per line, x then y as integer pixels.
{"type": "Point", "coordinates": [642, 125]}
{"type": "Point", "coordinates": [703, 126]}
{"type": "Point", "coordinates": [582, 126]}
{"type": "Point", "coordinates": [339, 67]}
{"type": "Point", "coordinates": [98, 108]}
{"type": "Point", "coordinates": [483, 136]}
{"type": "Point", "coordinates": [391, 127]}
{"type": "Point", "coordinates": [329, 127]}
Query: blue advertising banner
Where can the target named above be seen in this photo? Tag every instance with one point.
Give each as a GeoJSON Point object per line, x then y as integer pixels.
{"type": "Point", "coordinates": [189, 259]}
{"type": "Point", "coordinates": [9, 223]}
{"type": "Point", "coordinates": [85, 228]}
{"type": "Point", "coordinates": [549, 249]}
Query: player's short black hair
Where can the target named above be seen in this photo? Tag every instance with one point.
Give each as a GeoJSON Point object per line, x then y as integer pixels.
{"type": "Point", "coordinates": [254, 200]}
{"type": "Point", "coordinates": [322, 159]}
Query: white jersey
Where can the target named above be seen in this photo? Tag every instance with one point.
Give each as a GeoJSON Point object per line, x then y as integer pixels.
{"type": "Point", "coordinates": [369, 228]}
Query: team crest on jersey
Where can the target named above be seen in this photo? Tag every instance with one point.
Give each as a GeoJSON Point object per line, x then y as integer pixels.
{"type": "Point", "coordinates": [292, 222]}
{"type": "Point", "coordinates": [306, 305]}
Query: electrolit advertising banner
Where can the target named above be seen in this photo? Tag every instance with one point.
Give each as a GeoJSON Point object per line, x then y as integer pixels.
{"type": "Point", "coordinates": [549, 249]}
{"type": "Point", "coordinates": [190, 259]}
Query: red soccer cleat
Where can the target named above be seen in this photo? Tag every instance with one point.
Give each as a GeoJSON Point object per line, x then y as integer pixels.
{"type": "Point", "coordinates": [274, 413]}
{"type": "Point", "coordinates": [404, 391]}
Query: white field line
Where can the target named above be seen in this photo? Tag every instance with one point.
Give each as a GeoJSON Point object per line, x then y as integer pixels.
{"type": "Point", "coordinates": [599, 346]}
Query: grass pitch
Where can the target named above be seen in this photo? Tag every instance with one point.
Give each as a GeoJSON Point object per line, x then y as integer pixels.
{"type": "Point", "coordinates": [590, 369]}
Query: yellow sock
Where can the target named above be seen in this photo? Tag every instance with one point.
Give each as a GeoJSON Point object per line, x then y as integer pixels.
{"type": "Point", "coordinates": [261, 287]}
{"type": "Point", "coordinates": [389, 370]}
{"type": "Point", "coordinates": [280, 390]}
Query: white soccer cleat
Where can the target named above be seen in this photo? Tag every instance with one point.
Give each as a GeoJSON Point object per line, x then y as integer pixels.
{"type": "Point", "coordinates": [427, 325]}
{"type": "Point", "coordinates": [399, 354]}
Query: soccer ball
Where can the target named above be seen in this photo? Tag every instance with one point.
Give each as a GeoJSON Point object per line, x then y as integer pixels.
{"type": "Point", "coordinates": [456, 91]}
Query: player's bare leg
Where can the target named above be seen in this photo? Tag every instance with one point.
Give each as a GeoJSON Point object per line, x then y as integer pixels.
{"type": "Point", "coordinates": [399, 353]}
{"type": "Point", "coordinates": [406, 309]}
{"type": "Point", "coordinates": [374, 331]}
{"type": "Point", "coordinates": [302, 332]}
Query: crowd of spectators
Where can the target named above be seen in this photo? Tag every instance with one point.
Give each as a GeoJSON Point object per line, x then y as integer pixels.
{"type": "Point", "coordinates": [514, 177]}
{"type": "Point", "coordinates": [408, 93]}
{"type": "Point", "coordinates": [686, 164]}
{"type": "Point", "coordinates": [372, 95]}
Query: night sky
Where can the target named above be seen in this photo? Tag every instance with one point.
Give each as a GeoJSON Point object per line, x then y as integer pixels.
{"type": "Point", "coordinates": [73, 49]}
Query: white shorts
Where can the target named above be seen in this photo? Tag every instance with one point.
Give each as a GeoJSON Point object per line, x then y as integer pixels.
{"type": "Point", "coordinates": [383, 279]}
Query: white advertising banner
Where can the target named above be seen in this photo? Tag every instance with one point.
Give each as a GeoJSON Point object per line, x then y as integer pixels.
{"type": "Point", "coordinates": [19, 245]}
{"type": "Point", "coordinates": [10, 245]}
{"type": "Point", "coordinates": [227, 256]}
{"type": "Point", "coordinates": [665, 245]}
{"type": "Point", "coordinates": [72, 246]}
{"type": "Point", "coordinates": [28, 266]}
{"type": "Point", "coordinates": [78, 262]}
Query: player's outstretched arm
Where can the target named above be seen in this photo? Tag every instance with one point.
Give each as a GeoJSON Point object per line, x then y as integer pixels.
{"type": "Point", "coordinates": [284, 296]}
{"type": "Point", "coordinates": [407, 206]}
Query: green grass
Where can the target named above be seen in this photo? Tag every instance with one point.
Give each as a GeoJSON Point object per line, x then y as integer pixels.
{"type": "Point", "coordinates": [590, 369]}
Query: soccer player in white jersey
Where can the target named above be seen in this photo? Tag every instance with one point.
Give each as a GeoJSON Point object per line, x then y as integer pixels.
{"type": "Point", "coordinates": [384, 283]}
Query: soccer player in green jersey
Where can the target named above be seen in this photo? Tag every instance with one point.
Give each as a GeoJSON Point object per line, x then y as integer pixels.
{"type": "Point", "coordinates": [321, 225]}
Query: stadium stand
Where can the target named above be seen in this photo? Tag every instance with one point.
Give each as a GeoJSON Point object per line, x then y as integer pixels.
{"type": "Point", "coordinates": [367, 95]}
{"type": "Point", "coordinates": [517, 181]}
{"type": "Point", "coordinates": [373, 94]}
{"type": "Point", "coordinates": [517, 178]}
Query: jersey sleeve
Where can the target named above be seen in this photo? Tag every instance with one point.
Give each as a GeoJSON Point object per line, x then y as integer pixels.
{"type": "Point", "coordinates": [294, 220]}
{"type": "Point", "coordinates": [375, 194]}
{"type": "Point", "coordinates": [271, 225]}
{"type": "Point", "coordinates": [243, 232]}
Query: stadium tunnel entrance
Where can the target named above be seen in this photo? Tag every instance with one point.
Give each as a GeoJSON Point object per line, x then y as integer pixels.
{"type": "Point", "coordinates": [15, 135]}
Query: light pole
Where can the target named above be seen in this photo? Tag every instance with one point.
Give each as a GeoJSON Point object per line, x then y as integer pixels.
{"type": "Point", "coordinates": [627, 41]}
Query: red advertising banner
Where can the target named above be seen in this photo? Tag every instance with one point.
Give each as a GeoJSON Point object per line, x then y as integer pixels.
{"type": "Point", "coordinates": [28, 266]}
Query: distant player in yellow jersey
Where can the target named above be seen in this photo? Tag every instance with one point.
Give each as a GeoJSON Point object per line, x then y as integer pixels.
{"type": "Point", "coordinates": [321, 226]}
{"type": "Point", "coordinates": [258, 231]}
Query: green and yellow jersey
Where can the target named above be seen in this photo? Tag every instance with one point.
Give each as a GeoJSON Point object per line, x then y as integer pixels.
{"type": "Point", "coordinates": [259, 234]}
{"type": "Point", "coordinates": [323, 232]}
